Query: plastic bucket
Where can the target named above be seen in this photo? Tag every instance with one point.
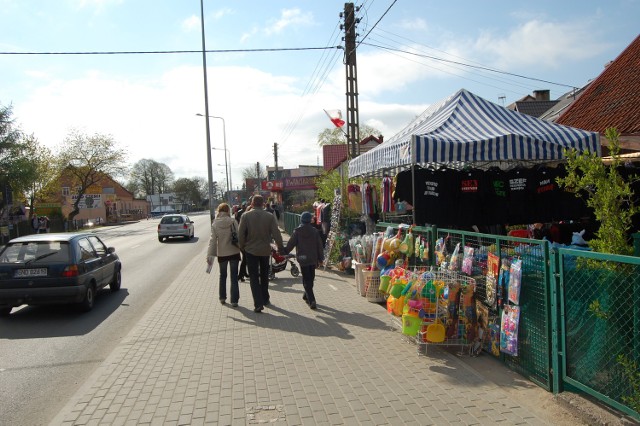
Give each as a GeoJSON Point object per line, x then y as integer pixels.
{"type": "Point", "coordinates": [396, 290]}
{"type": "Point", "coordinates": [410, 325]}
{"type": "Point", "coordinates": [385, 280]}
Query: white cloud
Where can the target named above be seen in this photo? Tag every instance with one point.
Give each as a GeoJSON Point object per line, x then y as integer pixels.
{"type": "Point", "coordinates": [547, 44]}
{"type": "Point", "coordinates": [415, 24]}
{"type": "Point", "coordinates": [221, 13]}
{"type": "Point", "coordinates": [157, 118]}
{"type": "Point", "coordinates": [96, 4]}
{"type": "Point", "coordinates": [191, 23]}
{"type": "Point", "coordinates": [288, 18]}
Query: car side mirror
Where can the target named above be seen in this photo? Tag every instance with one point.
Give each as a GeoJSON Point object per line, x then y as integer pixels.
{"type": "Point", "coordinates": [111, 250]}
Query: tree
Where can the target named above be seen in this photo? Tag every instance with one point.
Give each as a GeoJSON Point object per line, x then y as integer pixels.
{"type": "Point", "coordinates": [86, 160]}
{"type": "Point", "coordinates": [188, 190]}
{"type": "Point", "coordinates": [25, 165]}
{"type": "Point", "coordinates": [42, 182]}
{"type": "Point", "coordinates": [610, 197]}
{"type": "Point", "coordinates": [254, 172]}
{"type": "Point", "coordinates": [149, 177]}
{"type": "Point", "coordinates": [336, 136]}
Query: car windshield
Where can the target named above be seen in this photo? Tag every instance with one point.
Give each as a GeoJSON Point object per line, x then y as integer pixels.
{"type": "Point", "coordinates": [167, 220]}
{"type": "Point", "coordinates": [36, 252]}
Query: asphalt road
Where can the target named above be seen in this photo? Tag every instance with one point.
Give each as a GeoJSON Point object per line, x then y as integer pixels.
{"type": "Point", "coordinates": [47, 353]}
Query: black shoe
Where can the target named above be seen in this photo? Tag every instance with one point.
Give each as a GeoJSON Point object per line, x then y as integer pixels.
{"type": "Point", "coordinates": [234, 304]}
{"type": "Point", "coordinates": [241, 279]}
{"type": "Point", "coordinates": [223, 301]}
{"type": "Point", "coordinates": [304, 296]}
{"type": "Point", "coordinates": [267, 303]}
{"type": "Point", "coordinates": [258, 310]}
{"type": "Point", "coordinates": [312, 305]}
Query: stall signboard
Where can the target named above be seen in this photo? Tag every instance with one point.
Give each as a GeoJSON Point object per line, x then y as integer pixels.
{"type": "Point", "coordinates": [298, 183]}
{"type": "Point", "coordinates": [88, 201]}
{"type": "Point", "coordinates": [272, 185]}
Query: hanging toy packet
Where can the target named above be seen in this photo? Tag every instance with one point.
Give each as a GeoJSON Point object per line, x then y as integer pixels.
{"type": "Point", "coordinates": [515, 281]}
{"type": "Point", "coordinates": [467, 261]}
{"type": "Point", "coordinates": [454, 264]}
{"type": "Point", "coordinates": [509, 330]}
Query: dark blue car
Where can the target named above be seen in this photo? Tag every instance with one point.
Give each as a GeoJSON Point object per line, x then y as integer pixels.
{"type": "Point", "coordinates": [43, 269]}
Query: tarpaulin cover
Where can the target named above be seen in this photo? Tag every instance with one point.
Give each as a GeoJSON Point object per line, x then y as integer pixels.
{"type": "Point", "coordinates": [466, 128]}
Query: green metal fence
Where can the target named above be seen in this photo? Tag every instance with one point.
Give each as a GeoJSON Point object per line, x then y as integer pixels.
{"type": "Point", "coordinates": [534, 343]}
{"type": "Point", "coordinates": [599, 300]}
{"type": "Point", "coordinates": [291, 221]}
{"type": "Point", "coordinates": [580, 314]}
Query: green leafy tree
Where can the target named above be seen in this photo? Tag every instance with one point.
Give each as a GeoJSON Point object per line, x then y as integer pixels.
{"type": "Point", "coordinates": [608, 194]}
{"type": "Point", "coordinates": [188, 190]}
{"type": "Point", "coordinates": [42, 179]}
{"type": "Point", "coordinates": [86, 160]}
{"type": "Point", "coordinates": [12, 155]}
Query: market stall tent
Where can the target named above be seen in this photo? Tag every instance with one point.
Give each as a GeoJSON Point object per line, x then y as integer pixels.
{"type": "Point", "coordinates": [465, 128]}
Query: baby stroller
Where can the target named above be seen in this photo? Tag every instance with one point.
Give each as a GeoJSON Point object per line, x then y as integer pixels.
{"type": "Point", "coordinates": [278, 263]}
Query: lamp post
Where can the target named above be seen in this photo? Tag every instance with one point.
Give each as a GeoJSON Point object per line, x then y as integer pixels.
{"type": "Point", "coordinates": [227, 169]}
{"type": "Point", "coordinates": [227, 164]}
{"type": "Point", "coordinates": [206, 112]}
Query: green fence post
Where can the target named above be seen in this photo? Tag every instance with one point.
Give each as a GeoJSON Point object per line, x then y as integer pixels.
{"type": "Point", "coordinates": [553, 284]}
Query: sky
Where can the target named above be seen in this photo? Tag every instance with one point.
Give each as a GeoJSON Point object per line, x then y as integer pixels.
{"type": "Point", "coordinates": [273, 65]}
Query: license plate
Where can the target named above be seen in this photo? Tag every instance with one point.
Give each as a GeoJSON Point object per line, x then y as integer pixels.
{"type": "Point", "coordinates": [34, 272]}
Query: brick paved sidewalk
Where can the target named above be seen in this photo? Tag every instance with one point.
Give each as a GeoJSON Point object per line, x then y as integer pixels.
{"type": "Point", "coordinates": [191, 360]}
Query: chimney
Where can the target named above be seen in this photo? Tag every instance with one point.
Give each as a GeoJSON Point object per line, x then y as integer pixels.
{"type": "Point", "coordinates": [541, 95]}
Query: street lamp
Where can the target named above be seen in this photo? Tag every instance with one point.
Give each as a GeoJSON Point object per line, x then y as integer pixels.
{"type": "Point", "coordinates": [224, 142]}
{"type": "Point", "coordinates": [227, 152]}
{"type": "Point", "coordinates": [206, 112]}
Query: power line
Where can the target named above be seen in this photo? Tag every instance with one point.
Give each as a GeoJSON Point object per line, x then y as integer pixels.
{"type": "Point", "coordinates": [168, 52]}
{"type": "Point", "coordinates": [469, 65]}
{"type": "Point", "coordinates": [377, 22]}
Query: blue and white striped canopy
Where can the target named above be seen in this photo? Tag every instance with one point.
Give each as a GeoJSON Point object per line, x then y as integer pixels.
{"type": "Point", "coordinates": [466, 128]}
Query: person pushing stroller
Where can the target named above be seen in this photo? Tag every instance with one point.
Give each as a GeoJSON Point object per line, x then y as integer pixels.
{"type": "Point", "coordinates": [309, 254]}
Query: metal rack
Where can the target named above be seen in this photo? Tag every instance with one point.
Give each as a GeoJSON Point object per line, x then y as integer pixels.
{"type": "Point", "coordinates": [456, 311]}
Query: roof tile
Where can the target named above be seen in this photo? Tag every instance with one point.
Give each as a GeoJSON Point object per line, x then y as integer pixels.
{"type": "Point", "coordinates": [612, 99]}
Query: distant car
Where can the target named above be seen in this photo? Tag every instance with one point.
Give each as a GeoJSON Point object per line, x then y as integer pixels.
{"type": "Point", "coordinates": [44, 269]}
{"type": "Point", "coordinates": [175, 225]}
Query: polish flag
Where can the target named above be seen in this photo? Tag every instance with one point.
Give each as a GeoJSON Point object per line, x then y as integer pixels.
{"type": "Point", "coordinates": [335, 115]}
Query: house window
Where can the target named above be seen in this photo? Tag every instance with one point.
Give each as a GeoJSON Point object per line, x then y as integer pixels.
{"type": "Point", "coordinates": [65, 191]}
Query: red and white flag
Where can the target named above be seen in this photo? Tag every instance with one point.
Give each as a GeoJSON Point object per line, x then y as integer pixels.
{"type": "Point", "coordinates": [335, 115]}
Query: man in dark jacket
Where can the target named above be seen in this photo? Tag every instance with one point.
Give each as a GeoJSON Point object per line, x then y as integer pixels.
{"type": "Point", "coordinates": [309, 254]}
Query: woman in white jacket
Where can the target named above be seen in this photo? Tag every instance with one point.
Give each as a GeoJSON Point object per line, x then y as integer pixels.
{"type": "Point", "coordinates": [222, 247]}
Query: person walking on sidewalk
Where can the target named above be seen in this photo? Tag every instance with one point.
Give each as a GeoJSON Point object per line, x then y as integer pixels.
{"type": "Point", "coordinates": [256, 231]}
{"type": "Point", "coordinates": [309, 253]}
{"type": "Point", "coordinates": [243, 263]}
{"type": "Point", "coordinates": [221, 245]}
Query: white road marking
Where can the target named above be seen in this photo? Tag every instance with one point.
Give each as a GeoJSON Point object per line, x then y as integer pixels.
{"type": "Point", "coordinates": [334, 288]}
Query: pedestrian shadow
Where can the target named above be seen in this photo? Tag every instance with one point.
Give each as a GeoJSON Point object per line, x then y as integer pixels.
{"type": "Point", "coordinates": [329, 322]}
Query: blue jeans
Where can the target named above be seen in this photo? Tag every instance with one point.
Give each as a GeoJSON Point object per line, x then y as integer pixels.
{"type": "Point", "coordinates": [235, 291]}
{"type": "Point", "coordinates": [258, 268]}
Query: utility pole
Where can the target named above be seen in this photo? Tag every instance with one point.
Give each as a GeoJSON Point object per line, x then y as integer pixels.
{"type": "Point", "coordinates": [353, 132]}
{"type": "Point", "coordinates": [275, 157]}
{"type": "Point", "coordinates": [259, 179]}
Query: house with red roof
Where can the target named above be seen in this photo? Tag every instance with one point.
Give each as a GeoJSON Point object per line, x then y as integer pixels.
{"type": "Point", "coordinates": [611, 100]}
{"type": "Point", "coordinates": [335, 155]}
